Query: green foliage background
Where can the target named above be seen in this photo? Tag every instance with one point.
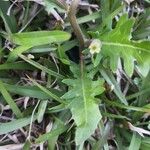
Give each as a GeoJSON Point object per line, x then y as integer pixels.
{"type": "Point", "coordinates": [48, 95]}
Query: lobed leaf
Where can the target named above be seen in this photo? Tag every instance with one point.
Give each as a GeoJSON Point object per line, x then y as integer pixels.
{"type": "Point", "coordinates": [118, 43]}
{"type": "Point", "coordinates": [85, 110]}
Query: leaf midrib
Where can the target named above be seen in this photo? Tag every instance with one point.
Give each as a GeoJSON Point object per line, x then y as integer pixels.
{"type": "Point", "coordinates": [84, 99]}
{"type": "Point", "coordinates": [125, 45]}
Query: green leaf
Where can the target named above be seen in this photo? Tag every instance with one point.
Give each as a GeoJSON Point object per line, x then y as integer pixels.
{"type": "Point", "coordinates": [135, 142]}
{"type": "Point", "coordinates": [10, 101]}
{"type": "Point", "coordinates": [145, 145]}
{"type": "Point", "coordinates": [43, 68]}
{"type": "Point", "coordinates": [142, 24]}
{"type": "Point", "coordinates": [16, 66]}
{"type": "Point", "coordinates": [28, 40]}
{"type": "Point", "coordinates": [108, 76]}
{"type": "Point", "coordinates": [86, 18]}
{"type": "Point", "coordinates": [118, 43]}
{"type": "Point", "coordinates": [85, 110]}
{"type": "Point", "coordinates": [9, 20]}
{"type": "Point", "coordinates": [14, 125]}
{"type": "Point", "coordinates": [109, 11]}
{"type": "Point", "coordinates": [62, 51]}
{"type": "Point", "coordinates": [37, 38]}
{"type": "Point", "coordinates": [50, 6]}
{"type": "Point", "coordinates": [105, 131]}
{"type": "Point", "coordinates": [142, 99]}
{"type": "Point", "coordinates": [41, 111]}
{"type": "Point", "coordinates": [15, 52]}
{"type": "Point", "coordinates": [42, 49]}
{"type": "Point", "coordinates": [27, 145]}
{"type": "Point", "coordinates": [133, 108]}
{"type": "Point", "coordinates": [31, 91]}
{"type": "Point", "coordinates": [46, 91]}
{"type": "Point", "coordinates": [52, 134]}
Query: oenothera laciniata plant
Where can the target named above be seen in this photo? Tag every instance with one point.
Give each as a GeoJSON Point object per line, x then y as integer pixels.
{"type": "Point", "coordinates": [82, 89]}
{"type": "Point", "coordinates": [82, 103]}
{"type": "Point", "coordinates": [118, 43]}
{"type": "Point", "coordinates": [112, 45]}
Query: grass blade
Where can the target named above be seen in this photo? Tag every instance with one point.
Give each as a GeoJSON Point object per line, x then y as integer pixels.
{"type": "Point", "coordinates": [51, 134]}
{"type": "Point", "coordinates": [135, 142]}
{"type": "Point", "coordinates": [31, 91]}
{"type": "Point", "coordinates": [37, 38]}
{"type": "Point", "coordinates": [9, 20]}
{"type": "Point", "coordinates": [14, 125]}
{"type": "Point", "coordinates": [10, 101]}
{"type": "Point", "coordinates": [15, 52]}
{"type": "Point", "coordinates": [55, 97]}
{"type": "Point", "coordinates": [41, 111]}
{"type": "Point", "coordinates": [108, 76]}
{"type": "Point", "coordinates": [43, 68]}
{"type": "Point", "coordinates": [140, 109]}
{"type": "Point", "coordinates": [16, 66]}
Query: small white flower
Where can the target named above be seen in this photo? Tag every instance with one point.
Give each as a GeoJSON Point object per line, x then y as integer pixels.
{"type": "Point", "coordinates": [95, 46]}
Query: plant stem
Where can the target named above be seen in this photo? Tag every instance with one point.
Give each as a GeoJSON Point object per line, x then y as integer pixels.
{"type": "Point", "coordinates": [73, 21]}
{"type": "Point", "coordinates": [77, 30]}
